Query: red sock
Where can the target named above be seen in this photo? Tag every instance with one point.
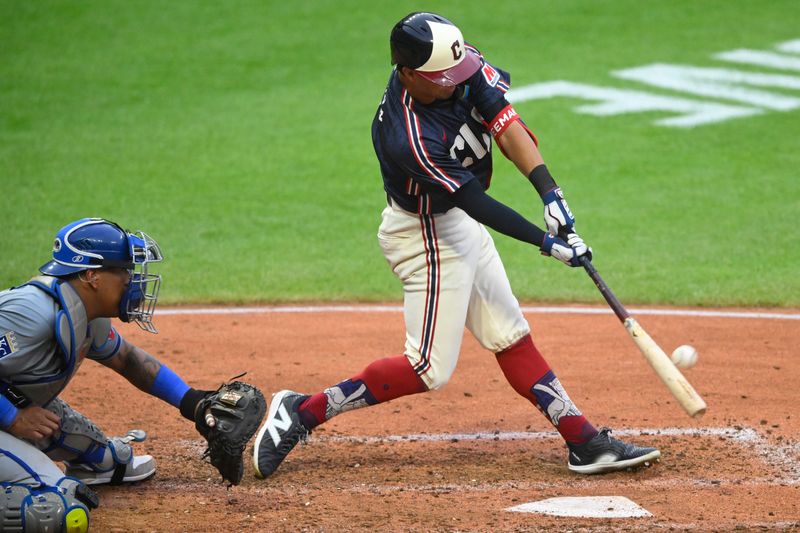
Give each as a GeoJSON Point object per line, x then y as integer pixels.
{"type": "Point", "coordinates": [382, 380]}
{"type": "Point", "coordinates": [531, 376]}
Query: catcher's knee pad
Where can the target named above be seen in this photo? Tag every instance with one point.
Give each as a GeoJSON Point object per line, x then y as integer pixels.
{"type": "Point", "coordinates": [63, 508]}
{"type": "Point", "coordinates": [77, 439]}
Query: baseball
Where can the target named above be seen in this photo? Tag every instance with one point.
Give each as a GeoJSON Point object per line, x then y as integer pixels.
{"type": "Point", "coordinates": [684, 356]}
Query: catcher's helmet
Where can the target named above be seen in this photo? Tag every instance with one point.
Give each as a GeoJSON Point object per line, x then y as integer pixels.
{"type": "Point", "coordinates": [434, 47]}
{"type": "Point", "coordinates": [92, 243]}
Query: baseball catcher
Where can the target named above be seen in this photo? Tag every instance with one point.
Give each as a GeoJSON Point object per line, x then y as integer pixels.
{"type": "Point", "coordinates": [48, 327]}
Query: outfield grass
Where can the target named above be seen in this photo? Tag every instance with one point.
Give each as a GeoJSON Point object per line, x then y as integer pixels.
{"type": "Point", "coordinates": [237, 135]}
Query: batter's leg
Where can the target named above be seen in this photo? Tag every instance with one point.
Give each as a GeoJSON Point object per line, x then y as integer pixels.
{"type": "Point", "coordinates": [435, 257]}
{"type": "Point", "coordinates": [497, 322]}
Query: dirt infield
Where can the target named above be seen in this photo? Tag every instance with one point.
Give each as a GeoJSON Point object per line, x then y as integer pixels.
{"type": "Point", "coordinates": [455, 459]}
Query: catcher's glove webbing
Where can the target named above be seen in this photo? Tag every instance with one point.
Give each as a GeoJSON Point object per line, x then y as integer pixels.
{"type": "Point", "coordinates": [227, 418]}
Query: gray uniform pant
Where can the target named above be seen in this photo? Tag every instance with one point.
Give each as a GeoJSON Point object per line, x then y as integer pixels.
{"type": "Point", "coordinates": [33, 463]}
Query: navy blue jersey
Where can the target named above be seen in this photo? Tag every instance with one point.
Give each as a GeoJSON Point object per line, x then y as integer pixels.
{"type": "Point", "coordinates": [426, 152]}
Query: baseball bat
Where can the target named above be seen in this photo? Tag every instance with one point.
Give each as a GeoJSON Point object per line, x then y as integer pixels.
{"type": "Point", "coordinates": [664, 368]}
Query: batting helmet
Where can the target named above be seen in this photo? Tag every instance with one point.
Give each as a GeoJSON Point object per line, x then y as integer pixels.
{"type": "Point", "coordinates": [434, 47]}
{"type": "Point", "coordinates": [92, 243]}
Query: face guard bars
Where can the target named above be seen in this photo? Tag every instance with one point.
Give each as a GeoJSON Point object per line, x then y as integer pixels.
{"type": "Point", "coordinates": [139, 301]}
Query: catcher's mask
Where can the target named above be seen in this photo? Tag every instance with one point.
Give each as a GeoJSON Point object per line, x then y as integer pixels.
{"type": "Point", "coordinates": [93, 243]}
{"type": "Point", "coordinates": [434, 47]}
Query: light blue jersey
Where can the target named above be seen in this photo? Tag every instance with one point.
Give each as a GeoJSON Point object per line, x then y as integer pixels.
{"type": "Point", "coordinates": [29, 349]}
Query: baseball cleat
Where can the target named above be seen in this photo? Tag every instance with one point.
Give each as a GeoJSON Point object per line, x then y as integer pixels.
{"type": "Point", "coordinates": [119, 464]}
{"type": "Point", "coordinates": [603, 453]}
{"type": "Point", "coordinates": [280, 433]}
{"type": "Point", "coordinates": [140, 468]}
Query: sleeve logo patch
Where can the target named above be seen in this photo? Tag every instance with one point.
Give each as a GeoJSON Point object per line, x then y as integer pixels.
{"type": "Point", "coordinates": [8, 344]}
{"type": "Point", "coordinates": [491, 75]}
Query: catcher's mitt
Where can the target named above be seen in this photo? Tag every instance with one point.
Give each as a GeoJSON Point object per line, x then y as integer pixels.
{"type": "Point", "coordinates": [227, 418]}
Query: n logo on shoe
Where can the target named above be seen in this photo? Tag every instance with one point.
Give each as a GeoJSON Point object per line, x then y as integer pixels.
{"type": "Point", "coordinates": [282, 421]}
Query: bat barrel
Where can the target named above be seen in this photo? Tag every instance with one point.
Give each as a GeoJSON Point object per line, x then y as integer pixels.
{"type": "Point", "coordinates": [680, 388]}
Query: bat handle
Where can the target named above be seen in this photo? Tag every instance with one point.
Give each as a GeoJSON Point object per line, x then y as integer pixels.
{"type": "Point", "coordinates": [607, 293]}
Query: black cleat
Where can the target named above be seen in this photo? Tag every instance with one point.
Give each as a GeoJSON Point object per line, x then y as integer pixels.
{"type": "Point", "coordinates": [603, 453]}
{"type": "Point", "coordinates": [281, 432]}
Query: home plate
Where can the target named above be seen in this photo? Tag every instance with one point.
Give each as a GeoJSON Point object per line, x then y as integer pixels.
{"type": "Point", "coordinates": [584, 507]}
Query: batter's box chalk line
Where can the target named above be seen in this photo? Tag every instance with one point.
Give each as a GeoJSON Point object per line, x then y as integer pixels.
{"type": "Point", "coordinates": [785, 458]}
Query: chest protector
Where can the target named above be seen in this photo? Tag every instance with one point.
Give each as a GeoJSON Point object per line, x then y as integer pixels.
{"type": "Point", "coordinates": [73, 335]}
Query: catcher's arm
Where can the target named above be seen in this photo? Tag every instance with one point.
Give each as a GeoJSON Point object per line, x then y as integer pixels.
{"type": "Point", "coordinates": [226, 418]}
{"type": "Point", "coordinates": [147, 373]}
{"type": "Point", "coordinates": [134, 364]}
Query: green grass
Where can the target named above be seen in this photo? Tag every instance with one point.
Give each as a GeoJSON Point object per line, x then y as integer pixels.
{"type": "Point", "coordinates": [237, 135]}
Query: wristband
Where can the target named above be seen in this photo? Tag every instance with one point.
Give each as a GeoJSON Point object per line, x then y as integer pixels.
{"type": "Point", "coordinates": [168, 386]}
{"type": "Point", "coordinates": [547, 244]}
{"type": "Point", "coordinates": [189, 402]}
{"type": "Point", "coordinates": [8, 413]}
{"type": "Point", "coordinates": [542, 180]}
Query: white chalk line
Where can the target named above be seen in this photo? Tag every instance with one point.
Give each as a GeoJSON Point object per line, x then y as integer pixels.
{"type": "Point", "coordinates": [650, 525]}
{"type": "Point", "coordinates": [785, 458]}
{"type": "Point", "coordinates": [525, 309]}
{"type": "Point", "coordinates": [744, 434]}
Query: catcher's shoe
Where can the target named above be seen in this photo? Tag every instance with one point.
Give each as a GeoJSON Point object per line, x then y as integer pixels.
{"type": "Point", "coordinates": [280, 433]}
{"type": "Point", "coordinates": [140, 468]}
{"type": "Point", "coordinates": [603, 453]}
{"type": "Point", "coordinates": [119, 464]}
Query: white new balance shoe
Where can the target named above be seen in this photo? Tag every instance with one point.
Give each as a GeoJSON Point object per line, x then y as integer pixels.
{"type": "Point", "coordinates": [140, 468]}
{"type": "Point", "coordinates": [119, 464]}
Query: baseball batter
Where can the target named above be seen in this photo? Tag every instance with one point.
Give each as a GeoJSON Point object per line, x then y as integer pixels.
{"type": "Point", "coordinates": [48, 326]}
{"type": "Point", "coordinates": [432, 134]}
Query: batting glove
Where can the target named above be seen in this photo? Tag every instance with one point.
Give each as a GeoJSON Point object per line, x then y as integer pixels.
{"type": "Point", "coordinates": [557, 215]}
{"type": "Point", "coordinates": [568, 252]}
